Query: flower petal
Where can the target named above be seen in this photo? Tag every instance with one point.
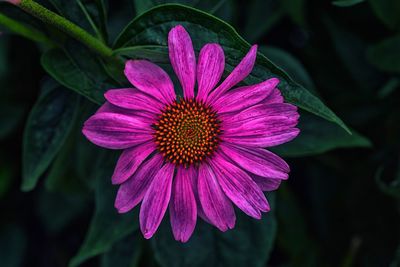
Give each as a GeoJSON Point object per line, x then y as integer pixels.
{"type": "Point", "coordinates": [130, 160]}
{"type": "Point", "coordinates": [182, 57]}
{"type": "Point", "coordinates": [131, 98]}
{"type": "Point", "coordinates": [238, 74]}
{"type": "Point", "coordinates": [268, 140]}
{"type": "Point", "coordinates": [116, 131]}
{"type": "Point", "coordinates": [146, 117]}
{"type": "Point", "coordinates": [234, 120]}
{"type": "Point", "coordinates": [257, 160]}
{"type": "Point", "coordinates": [131, 192]}
{"type": "Point", "coordinates": [239, 187]}
{"type": "Point", "coordinates": [155, 201]}
{"type": "Point", "coordinates": [209, 69]}
{"type": "Point", "coordinates": [274, 97]}
{"type": "Point", "coordinates": [150, 79]}
{"type": "Point", "coordinates": [183, 207]}
{"type": "Point", "coordinates": [266, 184]}
{"type": "Point", "coordinates": [214, 202]}
{"type": "Point", "coordinates": [244, 97]}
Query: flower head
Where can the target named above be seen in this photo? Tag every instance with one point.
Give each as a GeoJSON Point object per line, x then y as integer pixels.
{"type": "Point", "coordinates": [198, 154]}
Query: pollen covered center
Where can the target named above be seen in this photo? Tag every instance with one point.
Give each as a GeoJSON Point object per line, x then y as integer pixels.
{"type": "Point", "coordinates": [187, 132]}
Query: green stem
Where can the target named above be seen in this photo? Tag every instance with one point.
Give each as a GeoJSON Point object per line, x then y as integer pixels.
{"type": "Point", "coordinates": [23, 30]}
{"type": "Point", "coordinates": [66, 26]}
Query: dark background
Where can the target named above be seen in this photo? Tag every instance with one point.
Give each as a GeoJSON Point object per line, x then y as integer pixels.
{"type": "Point", "coordinates": [339, 207]}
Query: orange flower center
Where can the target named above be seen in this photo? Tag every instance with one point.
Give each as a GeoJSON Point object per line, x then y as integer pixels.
{"type": "Point", "coordinates": [187, 132]}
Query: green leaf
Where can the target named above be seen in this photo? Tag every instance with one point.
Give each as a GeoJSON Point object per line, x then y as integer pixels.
{"type": "Point", "coordinates": [388, 12]}
{"type": "Point", "coordinates": [78, 69]}
{"type": "Point", "coordinates": [152, 27]}
{"type": "Point", "coordinates": [96, 14]}
{"type": "Point", "coordinates": [107, 226]}
{"type": "Point", "coordinates": [318, 136]}
{"type": "Point", "coordinates": [295, 241]}
{"type": "Point", "coordinates": [13, 243]}
{"type": "Point", "coordinates": [46, 129]}
{"type": "Point", "coordinates": [291, 65]}
{"type": "Point", "coordinates": [346, 3]}
{"type": "Point", "coordinates": [248, 244]}
{"type": "Point", "coordinates": [386, 54]}
{"type": "Point", "coordinates": [125, 253]}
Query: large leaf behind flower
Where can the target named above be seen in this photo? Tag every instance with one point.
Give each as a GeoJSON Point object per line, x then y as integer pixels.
{"type": "Point", "coordinates": [48, 125]}
{"type": "Point", "coordinates": [152, 27]}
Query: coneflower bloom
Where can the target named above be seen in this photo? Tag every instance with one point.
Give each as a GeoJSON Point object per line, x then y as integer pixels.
{"type": "Point", "coordinates": [200, 153]}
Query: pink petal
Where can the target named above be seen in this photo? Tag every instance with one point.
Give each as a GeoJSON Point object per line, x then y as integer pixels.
{"type": "Point", "coordinates": [264, 183]}
{"type": "Point", "coordinates": [130, 160]}
{"type": "Point", "coordinates": [193, 174]}
{"type": "Point", "coordinates": [267, 140]}
{"type": "Point", "coordinates": [132, 98]}
{"type": "Point", "coordinates": [150, 79]}
{"type": "Point", "coordinates": [239, 187]}
{"type": "Point", "coordinates": [183, 60]}
{"type": "Point", "coordinates": [274, 97]}
{"type": "Point", "coordinates": [116, 131]}
{"type": "Point", "coordinates": [257, 160]}
{"type": "Point", "coordinates": [183, 210]}
{"type": "Point", "coordinates": [131, 192]}
{"type": "Point", "coordinates": [209, 69]}
{"type": "Point", "coordinates": [240, 72]}
{"type": "Point", "coordinates": [146, 117]}
{"type": "Point", "coordinates": [245, 97]}
{"type": "Point", "coordinates": [216, 205]}
{"type": "Point", "coordinates": [155, 201]}
{"type": "Point", "coordinates": [234, 120]}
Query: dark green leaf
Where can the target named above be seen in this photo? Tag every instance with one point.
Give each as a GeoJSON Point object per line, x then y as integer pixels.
{"type": "Point", "coordinates": [78, 69]}
{"type": "Point", "coordinates": [386, 54]}
{"type": "Point", "coordinates": [295, 241]}
{"type": "Point", "coordinates": [346, 3]}
{"type": "Point", "coordinates": [47, 127]}
{"type": "Point", "coordinates": [5, 179]}
{"type": "Point", "coordinates": [388, 11]}
{"type": "Point", "coordinates": [13, 243]}
{"type": "Point", "coordinates": [107, 226]}
{"type": "Point", "coordinates": [125, 253]}
{"type": "Point", "coordinates": [152, 27]}
{"type": "Point", "coordinates": [318, 136]}
{"type": "Point", "coordinates": [248, 244]}
{"type": "Point", "coordinates": [291, 65]}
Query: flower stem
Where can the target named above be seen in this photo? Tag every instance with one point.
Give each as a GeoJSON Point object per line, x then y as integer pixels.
{"type": "Point", "coordinates": [23, 30]}
{"type": "Point", "coordinates": [66, 26]}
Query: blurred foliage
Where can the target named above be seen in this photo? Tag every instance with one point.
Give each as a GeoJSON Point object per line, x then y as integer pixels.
{"type": "Point", "coordinates": [340, 206]}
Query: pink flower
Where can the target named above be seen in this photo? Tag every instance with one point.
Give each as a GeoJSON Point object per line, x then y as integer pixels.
{"type": "Point", "coordinates": [199, 154]}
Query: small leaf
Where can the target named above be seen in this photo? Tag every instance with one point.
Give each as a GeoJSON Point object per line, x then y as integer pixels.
{"type": "Point", "coordinates": [318, 136]}
{"type": "Point", "coordinates": [152, 27]}
{"type": "Point", "coordinates": [386, 54]}
{"type": "Point", "coordinates": [248, 244]}
{"type": "Point", "coordinates": [47, 127]}
{"type": "Point", "coordinates": [392, 188]}
{"type": "Point", "coordinates": [346, 3]}
{"type": "Point", "coordinates": [107, 226]}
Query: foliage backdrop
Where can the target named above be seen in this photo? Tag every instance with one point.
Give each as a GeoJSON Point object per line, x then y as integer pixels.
{"type": "Point", "coordinates": [338, 61]}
